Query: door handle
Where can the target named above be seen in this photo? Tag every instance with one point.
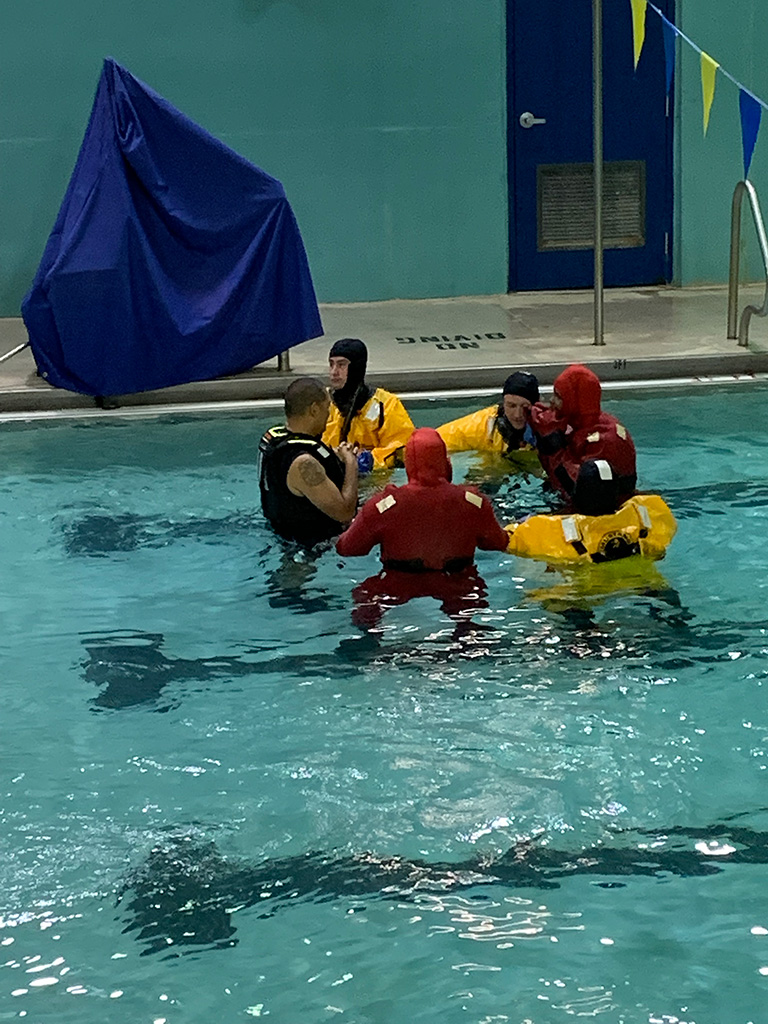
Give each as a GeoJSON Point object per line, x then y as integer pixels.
{"type": "Point", "coordinates": [527, 120]}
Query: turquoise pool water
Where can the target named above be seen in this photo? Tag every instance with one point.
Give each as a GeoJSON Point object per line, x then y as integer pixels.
{"type": "Point", "coordinates": [556, 808]}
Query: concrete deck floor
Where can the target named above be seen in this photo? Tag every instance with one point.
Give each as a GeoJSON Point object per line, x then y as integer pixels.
{"type": "Point", "coordinates": [470, 343]}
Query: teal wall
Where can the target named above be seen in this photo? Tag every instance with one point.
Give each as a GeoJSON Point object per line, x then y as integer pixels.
{"type": "Point", "coordinates": [384, 121]}
{"type": "Point", "coordinates": [734, 33]}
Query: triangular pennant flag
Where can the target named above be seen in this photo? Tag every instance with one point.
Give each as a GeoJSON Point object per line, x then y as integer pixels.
{"type": "Point", "coordinates": [750, 110]}
{"type": "Point", "coordinates": [708, 69]}
{"type": "Point", "coordinates": [638, 26]}
{"type": "Point", "coordinates": [670, 37]}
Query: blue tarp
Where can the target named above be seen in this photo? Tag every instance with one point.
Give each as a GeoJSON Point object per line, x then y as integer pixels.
{"type": "Point", "coordinates": [172, 258]}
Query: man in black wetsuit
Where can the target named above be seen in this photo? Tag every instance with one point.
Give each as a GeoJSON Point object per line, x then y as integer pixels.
{"type": "Point", "coordinates": [308, 490]}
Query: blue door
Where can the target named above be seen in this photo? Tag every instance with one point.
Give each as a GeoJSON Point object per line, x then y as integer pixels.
{"type": "Point", "coordinates": [549, 48]}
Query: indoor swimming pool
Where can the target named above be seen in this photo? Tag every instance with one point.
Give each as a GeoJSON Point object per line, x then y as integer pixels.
{"type": "Point", "coordinates": [222, 800]}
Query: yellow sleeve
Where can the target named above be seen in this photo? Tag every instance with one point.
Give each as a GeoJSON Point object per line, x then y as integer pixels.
{"type": "Point", "coordinates": [394, 434]}
{"type": "Point", "coordinates": [473, 433]}
{"type": "Point", "coordinates": [332, 432]}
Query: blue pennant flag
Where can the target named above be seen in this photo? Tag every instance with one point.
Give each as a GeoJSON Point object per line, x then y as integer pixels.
{"type": "Point", "coordinates": [750, 110]}
{"type": "Point", "coordinates": [670, 35]}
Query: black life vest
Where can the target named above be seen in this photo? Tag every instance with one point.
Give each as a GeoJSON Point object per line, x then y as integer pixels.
{"type": "Point", "coordinates": [292, 516]}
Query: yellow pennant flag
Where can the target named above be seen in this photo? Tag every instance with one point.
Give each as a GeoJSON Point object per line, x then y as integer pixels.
{"type": "Point", "coordinates": [639, 9]}
{"type": "Point", "coordinates": [708, 69]}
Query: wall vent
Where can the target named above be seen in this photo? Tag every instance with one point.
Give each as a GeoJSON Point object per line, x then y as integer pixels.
{"type": "Point", "coordinates": [565, 194]}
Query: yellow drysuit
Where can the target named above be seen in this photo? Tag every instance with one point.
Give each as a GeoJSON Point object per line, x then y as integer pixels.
{"type": "Point", "coordinates": [478, 433]}
{"type": "Point", "coordinates": [382, 427]}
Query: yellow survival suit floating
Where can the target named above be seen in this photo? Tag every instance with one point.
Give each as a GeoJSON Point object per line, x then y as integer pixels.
{"type": "Point", "coordinates": [644, 525]}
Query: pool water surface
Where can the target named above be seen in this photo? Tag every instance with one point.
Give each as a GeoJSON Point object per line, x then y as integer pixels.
{"type": "Point", "coordinates": [221, 799]}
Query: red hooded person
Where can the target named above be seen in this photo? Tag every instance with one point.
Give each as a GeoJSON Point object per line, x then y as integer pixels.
{"type": "Point", "coordinates": [428, 524]}
{"type": "Point", "coordinates": [587, 454]}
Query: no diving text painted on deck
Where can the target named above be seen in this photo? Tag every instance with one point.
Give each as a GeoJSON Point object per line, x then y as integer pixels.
{"type": "Point", "coordinates": [446, 342]}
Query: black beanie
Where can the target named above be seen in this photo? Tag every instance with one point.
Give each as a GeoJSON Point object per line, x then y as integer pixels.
{"type": "Point", "coordinates": [523, 384]}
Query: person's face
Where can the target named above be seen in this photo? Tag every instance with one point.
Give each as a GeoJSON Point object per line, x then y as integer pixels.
{"type": "Point", "coordinates": [556, 402]}
{"type": "Point", "coordinates": [338, 369]}
{"type": "Point", "coordinates": [320, 412]}
{"type": "Point", "coordinates": [516, 410]}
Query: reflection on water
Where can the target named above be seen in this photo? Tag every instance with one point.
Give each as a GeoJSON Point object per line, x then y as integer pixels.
{"type": "Point", "coordinates": [512, 480]}
{"type": "Point", "coordinates": [132, 670]}
{"type": "Point", "coordinates": [459, 594]}
{"type": "Point", "coordinates": [186, 892]}
{"type": "Point", "coordinates": [716, 498]}
{"type": "Point", "coordinates": [101, 534]}
{"type": "Point", "coordinates": [294, 585]}
{"type": "Point", "coordinates": [584, 586]}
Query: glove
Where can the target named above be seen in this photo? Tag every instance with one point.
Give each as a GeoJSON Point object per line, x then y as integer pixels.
{"type": "Point", "coordinates": [549, 429]}
{"type": "Point", "coordinates": [364, 462]}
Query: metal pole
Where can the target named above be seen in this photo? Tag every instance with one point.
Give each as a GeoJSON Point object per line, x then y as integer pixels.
{"type": "Point", "coordinates": [733, 267]}
{"type": "Point", "coordinates": [19, 348]}
{"type": "Point", "coordinates": [283, 361]}
{"type": "Point", "coordinates": [742, 188]}
{"type": "Point", "coordinates": [597, 160]}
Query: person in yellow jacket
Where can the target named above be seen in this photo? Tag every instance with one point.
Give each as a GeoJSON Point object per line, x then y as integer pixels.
{"type": "Point", "coordinates": [502, 428]}
{"type": "Point", "coordinates": [370, 419]}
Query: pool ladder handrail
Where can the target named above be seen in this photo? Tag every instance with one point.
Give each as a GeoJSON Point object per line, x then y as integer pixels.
{"type": "Point", "coordinates": [748, 312]}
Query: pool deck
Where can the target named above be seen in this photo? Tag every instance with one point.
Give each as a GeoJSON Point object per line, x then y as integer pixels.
{"type": "Point", "coordinates": [460, 344]}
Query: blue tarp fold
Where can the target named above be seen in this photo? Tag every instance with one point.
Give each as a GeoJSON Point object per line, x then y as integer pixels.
{"type": "Point", "coordinates": [172, 259]}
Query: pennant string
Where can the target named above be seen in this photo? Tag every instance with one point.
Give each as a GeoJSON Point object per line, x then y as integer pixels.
{"type": "Point", "coordinates": [701, 53]}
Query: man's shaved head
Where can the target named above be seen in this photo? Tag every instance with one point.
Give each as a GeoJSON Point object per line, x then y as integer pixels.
{"type": "Point", "coordinates": [303, 393]}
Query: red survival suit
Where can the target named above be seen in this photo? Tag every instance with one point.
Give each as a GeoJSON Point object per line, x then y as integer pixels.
{"type": "Point", "coordinates": [428, 530]}
{"type": "Point", "coordinates": [576, 441]}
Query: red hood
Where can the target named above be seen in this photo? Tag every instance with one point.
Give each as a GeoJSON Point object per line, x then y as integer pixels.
{"type": "Point", "coordinates": [579, 389]}
{"type": "Point", "coordinates": [426, 458]}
